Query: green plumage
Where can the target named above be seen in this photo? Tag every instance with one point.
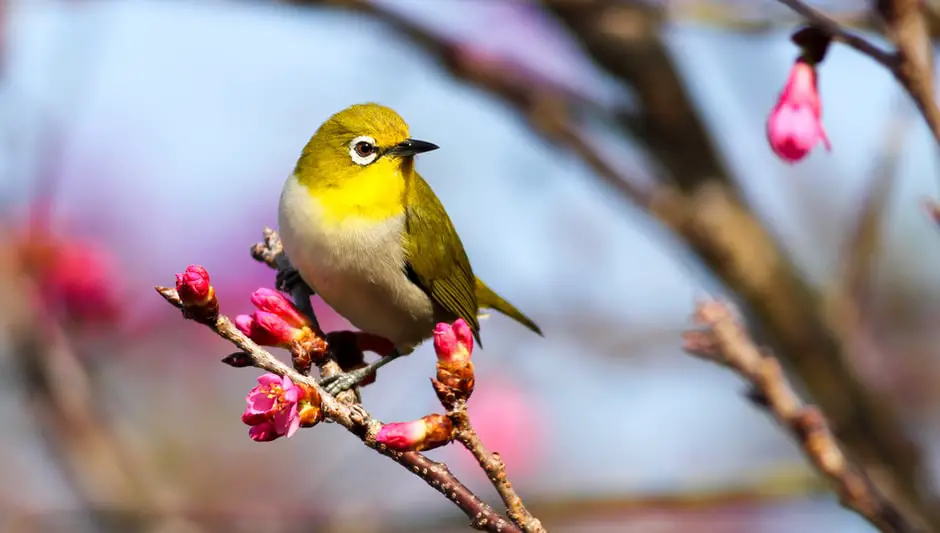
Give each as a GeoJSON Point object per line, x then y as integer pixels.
{"type": "Point", "coordinates": [437, 262]}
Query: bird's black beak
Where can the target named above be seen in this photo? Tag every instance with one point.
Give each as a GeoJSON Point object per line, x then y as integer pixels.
{"type": "Point", "coordinates": [413, 147]}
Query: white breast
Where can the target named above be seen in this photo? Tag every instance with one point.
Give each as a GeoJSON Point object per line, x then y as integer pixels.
{"type": "Point", "coordinates": [357, 267]}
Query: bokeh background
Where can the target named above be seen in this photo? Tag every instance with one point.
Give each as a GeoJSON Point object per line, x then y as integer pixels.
{"type": "Point", "coordinates": [137, 137]}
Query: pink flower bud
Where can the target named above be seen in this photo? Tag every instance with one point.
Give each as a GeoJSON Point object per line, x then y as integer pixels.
{"type": "Point", "coordinates": [453, 343]}
{"type": "Point", "coordinates": [426, 433]}
{"type": "Point", "coordinates": [193, 286]}
{"type": "Point", "coordinates": [795, 124]}
{"type": "Point", "coordinates": [271, 301]}
{"type": "Point", "coordinates": [272, 408]}
{"type": "Point", "coordinates": [246, 324]}
{"type": "Point", "coordinates": [276, 328]}
{"type": "Point", "coordinates": [268, 329]}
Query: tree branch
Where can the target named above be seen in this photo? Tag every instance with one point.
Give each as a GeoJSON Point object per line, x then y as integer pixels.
{"type": "Point", "coordinates": [495, 469]}
{"type": "Point", "coordinates": [357, 421]}
{"type": "Point", "coordinates": [724, 341]}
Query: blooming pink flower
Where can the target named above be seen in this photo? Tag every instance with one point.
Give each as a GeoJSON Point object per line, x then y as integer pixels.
{"type": "Point", "coordinates": [272, 408]}
{"type": "Point", "coordinates": [193, 286]}
{"type": "Point", "coordinates": [795, 124]}
{"type": "Point", "coordinates": [426, 433]}
{"type": "Point", "coordinates": [453, 343]}
{"type": "Point", "coordinates": [271, 301]}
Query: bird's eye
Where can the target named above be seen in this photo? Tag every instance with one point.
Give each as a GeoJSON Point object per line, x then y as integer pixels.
{"type": "Point", "coordinates": [362, 150]}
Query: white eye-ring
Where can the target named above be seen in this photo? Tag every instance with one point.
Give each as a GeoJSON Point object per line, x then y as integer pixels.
{"type": "Point", "coordinates": [362, 150]}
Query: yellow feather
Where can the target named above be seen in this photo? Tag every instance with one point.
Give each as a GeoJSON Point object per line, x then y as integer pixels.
{"type": "Point", "coordinates": [373, 193]}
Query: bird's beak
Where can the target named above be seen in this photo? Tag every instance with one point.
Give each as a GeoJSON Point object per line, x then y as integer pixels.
{"type": "Point", "coordinates": [413, 147]}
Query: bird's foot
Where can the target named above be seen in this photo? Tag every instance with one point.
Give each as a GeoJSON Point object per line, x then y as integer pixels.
{"type": "Point", "coordinates": [347, 380]}
{"type": "Point", "coordinates": [339, 383]}
{"type": "Point", "coordinates": [286, 280]}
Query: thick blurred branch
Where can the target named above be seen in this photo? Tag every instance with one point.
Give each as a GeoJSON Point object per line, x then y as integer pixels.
{"type": "Point", "coordinates": [724, 341]}
{"type": "Point", "coordinates": [624, 39]}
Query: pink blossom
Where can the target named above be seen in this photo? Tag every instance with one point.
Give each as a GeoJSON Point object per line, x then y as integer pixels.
{"type": "Point", "coordinates": [453, 343]}
{"type": "Point", "coordinates": [272, 408]}
{"type": "Point", "coordinates": [795, 124]}
{"type": "Point", "coordinates": [193, 286]}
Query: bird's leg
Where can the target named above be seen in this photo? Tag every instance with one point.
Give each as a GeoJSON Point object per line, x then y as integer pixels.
{"type": "Point", "coordinates": [347, 380]}
{"type": "Point", "coordinates": [287, 279]}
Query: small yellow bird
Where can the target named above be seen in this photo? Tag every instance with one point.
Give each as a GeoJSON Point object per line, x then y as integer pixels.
{"type": "Point", "coordinates": [367, 233]}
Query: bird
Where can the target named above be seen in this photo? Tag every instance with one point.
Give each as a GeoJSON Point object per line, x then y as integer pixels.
{"type": "Point", "coordinates": [365, 232]}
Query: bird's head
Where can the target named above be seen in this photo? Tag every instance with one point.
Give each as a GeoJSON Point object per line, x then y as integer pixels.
{"type": "Point", "coordinates": [361, 140]}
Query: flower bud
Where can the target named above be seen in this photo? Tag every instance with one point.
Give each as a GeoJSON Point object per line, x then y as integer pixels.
{"type": "Point", "coordinates": [196, 294]}
{"type": "Point", "coordinates": [269, 329]}
{"type": "Point", "coordinates": [426, 433]}
{"type": "Point", "coordinates": [271, 301]}
{"type": "Point", "coordinates": [454, 346]}
{"type": "Point", "coordinates": [453, 343]}
{"type": "Point", "coordinates": [794, 126]}
{"type": "Point", "coordinates": [193, 286]}
{"type": "Point", "coordinates": [246, 324]}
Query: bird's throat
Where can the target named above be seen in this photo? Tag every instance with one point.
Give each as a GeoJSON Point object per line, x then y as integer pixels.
{"type": "Point", "coordinates": [372, 194]}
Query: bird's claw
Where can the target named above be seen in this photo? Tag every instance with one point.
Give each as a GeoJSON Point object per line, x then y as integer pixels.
{"type": "Point", "coordinates": [285, 280]}
{"type": "Point", "coordinates": [334, 385]}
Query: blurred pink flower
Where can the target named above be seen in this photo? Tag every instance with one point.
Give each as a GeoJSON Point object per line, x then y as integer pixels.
{"type": "Point", "coordinates": [795, 124]}
{"type": "Point", "coordinates": [82, 282]}
{"type": "Point", "coordinates": [272, 408]}
{"type": "Point", "coordinates": [453, 343]}
{"type": "Point", "coordinates": [508, 422]}
{"type": "Point", "coordinates": [193, 286]}
{"type": "Point", "coordinates": [77, 278]}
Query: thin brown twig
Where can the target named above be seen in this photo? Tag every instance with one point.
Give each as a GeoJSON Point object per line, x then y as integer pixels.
{"type": "Point", "coordinates": [357, 421]}
{"type": "Point", "coordinates": [495, 469]}
{"type": "Point", "coordinates": [839, 33]}
{"type": "Point", "coordinates": [726, 342]}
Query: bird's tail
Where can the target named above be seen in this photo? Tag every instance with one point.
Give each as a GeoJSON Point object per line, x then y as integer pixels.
{"type": "Point", "coordinates": [488, 299]}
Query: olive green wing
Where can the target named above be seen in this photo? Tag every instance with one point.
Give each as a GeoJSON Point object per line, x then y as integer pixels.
{"type": "Point", "coordinates": [434, 256]}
